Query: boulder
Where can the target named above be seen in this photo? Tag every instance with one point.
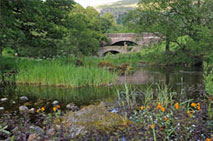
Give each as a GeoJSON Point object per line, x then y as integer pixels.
{"type": "Point", "coordinates": [93, 117]}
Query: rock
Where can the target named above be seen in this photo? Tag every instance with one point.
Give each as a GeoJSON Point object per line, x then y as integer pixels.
{"type": "Point", "coordinates": [72, 107]}
{"type": "Point", "coordinates": [23, 109]}
{"type": "Point", "coordinates": [93, 117]}
{"type": "Point", "coordinates": [32, 110]}
{"type": "Point", "coordinates": [14, 102]}
{"type": "Point", "coordinates": [1, 108]}
{"type": "Point", "coordinates": [51, 132]}
{"type": "Point", "coordinates": [32, 137]}
{"type": "Point", "coordinates": [37, 130]}
{"type": "Point", "coordinates": [24, 98]}
{"type": "Point", "coordinates": [55, 102]}
{"type": "Point", "coordinates": [4, 99]}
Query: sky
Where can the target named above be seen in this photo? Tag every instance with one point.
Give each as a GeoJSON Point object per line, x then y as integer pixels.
{"type": "Point", "coordinates": [86, 3]}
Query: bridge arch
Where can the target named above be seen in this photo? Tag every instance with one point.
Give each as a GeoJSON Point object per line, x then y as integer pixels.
{"type": "Point", "coordinates": [111, 51]}
{"type": "Point", "coordinates": [124, 43]}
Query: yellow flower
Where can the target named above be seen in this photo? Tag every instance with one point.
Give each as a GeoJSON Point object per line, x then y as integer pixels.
{"type": "Point", "coordinates": [190, 113]}
{"type": "Point", "coordinates": [207, 139]}
{"type": "Point", "coordinates": [177, 106]}
{"type": "Point", "coordinates": [38, 110]}
{"type": "Point", "coordinates": [151, 126]}
{"type": "Point", "coordinates": [42, 108]}
{"type": "Point", "coordinates": [142, 107]}
{"type": "Point", "coordinates": [194, 105]}
{"type": "Point", "coordinates": [162, 109]}
{"type": "Point", "coordinates": [166, 118]}
{"type": "Point", "coordinates": [44, 127]}
{"type": "Point", "coordinates": [148, 107]}
{"type": "Point", "coordinates": [54, 109]}
{"type": "Point", "coordinates": [58, 106]}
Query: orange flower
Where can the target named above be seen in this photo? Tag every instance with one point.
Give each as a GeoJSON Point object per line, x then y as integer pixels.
{"type": "Point", "coordinates": [159, 106]}
{"type": "Point", "coordinates": [166, 118]}
{"type": "Point", "coordinates": [198, 106]}
{"type": "Point", "coordinates": [207, 139]}
{"type": "Point", "coordinates": [54, 109]}
{"type": "Point", "coordinates": [177, 106]}
{"type": "Point", "coordinates": [162, 109]}
{"type": "Point", "coordinates": [42, 108]}
{"type": "Point", "coordinates": [194, 105]}
{"type": "Point", "coordinates": [44, 127]}
{"type": "Point", "coordinates": [58, 106]}
{"type": "Point", "coordinates": [142, 107]}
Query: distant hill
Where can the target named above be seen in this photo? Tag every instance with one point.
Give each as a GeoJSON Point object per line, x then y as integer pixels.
{"type": "Point", "coordinates": [118, 9]}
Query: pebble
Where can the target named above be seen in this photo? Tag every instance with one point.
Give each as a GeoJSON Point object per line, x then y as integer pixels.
{"type": "Point", "coordinates": [55, 102]}
{"type": "Point", "coordinates": [32, 110]}
{"type": "Point", "coordinates": [24, 98]}
{"type": "Point", "coordinates": [23, 109]}
{"type": "Point", "coordinates": [4, 99]}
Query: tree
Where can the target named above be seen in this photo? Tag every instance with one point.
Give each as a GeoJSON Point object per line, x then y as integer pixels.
{"type": "Point", "coordinates": [172, 19]}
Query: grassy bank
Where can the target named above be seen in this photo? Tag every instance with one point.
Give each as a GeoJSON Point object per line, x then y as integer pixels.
{"type": "Point", "coordinates": [57, 73]}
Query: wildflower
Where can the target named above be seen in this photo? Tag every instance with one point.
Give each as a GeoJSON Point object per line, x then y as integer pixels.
{"type": "Point", "coordinates": [148, 107]}
{"type": "Point", "coordinates": [44, 127]}
{"type": "Point", "coordinates": [177, 106]}
{"type": "Point", "coordinates": [54, 109]}
{"type": "Point", "coordinates": [190, 113]}
{"type": "Point", "coordinates": [42, 108]}
{"type": "Point", "coordinates": [151, 126]}
{"type": "Point", "coordinates": [159, 106]}
{"type": "Point", "coordinates": [207, 139]}
{"type": "Point", "coordinates": [194, 105]}
{"type": "Point", "coordinates": [166, 118]}
{"type": "Point", "coordinates": [38, 110]}
{"type": "Point", "coordinates": [58, 106]}
{"type": "Point", "coordinates": [162, 109]}
{"type": "Point", "coordinates": [198, 106]}
{"type": "Point", "coordinates": [142, 108]}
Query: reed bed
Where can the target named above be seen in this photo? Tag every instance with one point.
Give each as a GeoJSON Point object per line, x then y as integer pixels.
{"type": "Point", "coordinates": [55, 73]}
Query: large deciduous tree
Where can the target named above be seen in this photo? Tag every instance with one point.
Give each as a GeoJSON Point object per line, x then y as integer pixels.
{"type": "Point", "coordinates": [172, 19]}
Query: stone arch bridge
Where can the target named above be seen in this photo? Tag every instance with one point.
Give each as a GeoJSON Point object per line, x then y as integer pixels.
{"type": "Point", "coordinates": [127, 42]}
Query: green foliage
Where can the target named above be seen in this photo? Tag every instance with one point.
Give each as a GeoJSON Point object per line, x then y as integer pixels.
{"type": "Point", "coordinates": [187, 23]}
{"type": "Point", "coordinates": [56, 73]}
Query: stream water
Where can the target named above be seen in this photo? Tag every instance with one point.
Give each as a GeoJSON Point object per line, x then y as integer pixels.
{"type": "Point", "coordinates": [175, 77]}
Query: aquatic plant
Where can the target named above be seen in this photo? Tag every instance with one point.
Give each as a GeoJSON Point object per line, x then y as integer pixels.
{"type": "Point", "coordinates": [57, 74]}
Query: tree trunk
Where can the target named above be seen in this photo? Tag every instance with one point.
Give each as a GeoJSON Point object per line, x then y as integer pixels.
{"type": "Point", "coordinates": [1, 51]}
{"type": "Point", "coordinates": [167, 45]}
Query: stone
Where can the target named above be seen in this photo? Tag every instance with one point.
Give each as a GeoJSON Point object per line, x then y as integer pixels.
{"type": "Point", "coordinates": [4, 99]}
{"type": "Point", "coordinates": [51, 132]}
{"type": "Point", "coordinates": [32, 110]}
{"type": "Point", "coordinates": [37, 130]}
{"type": "Point", "coordinates": [72, 107]}
{"type": "Point", "coordinates": [55, 102]}
{"type": "Point", "coordinates": [32, 137]}
{"type": "Point", "coordinates": [24, 98]}
{"type": "Point", "coordinates": [93, 117]}
{"type": "Point", "coordinates": [1, 108]}
{"type": "Point", "coordinates": [14, 102]}
{"type": "Point", "coordinates": [23, 109]}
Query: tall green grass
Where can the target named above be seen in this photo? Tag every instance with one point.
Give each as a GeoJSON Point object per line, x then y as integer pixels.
{"type": "Point", "coordinates": [59, 74]}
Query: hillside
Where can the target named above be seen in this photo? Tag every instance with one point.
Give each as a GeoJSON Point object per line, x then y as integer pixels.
{"type": "Point", "coordinates": [118, 9]}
